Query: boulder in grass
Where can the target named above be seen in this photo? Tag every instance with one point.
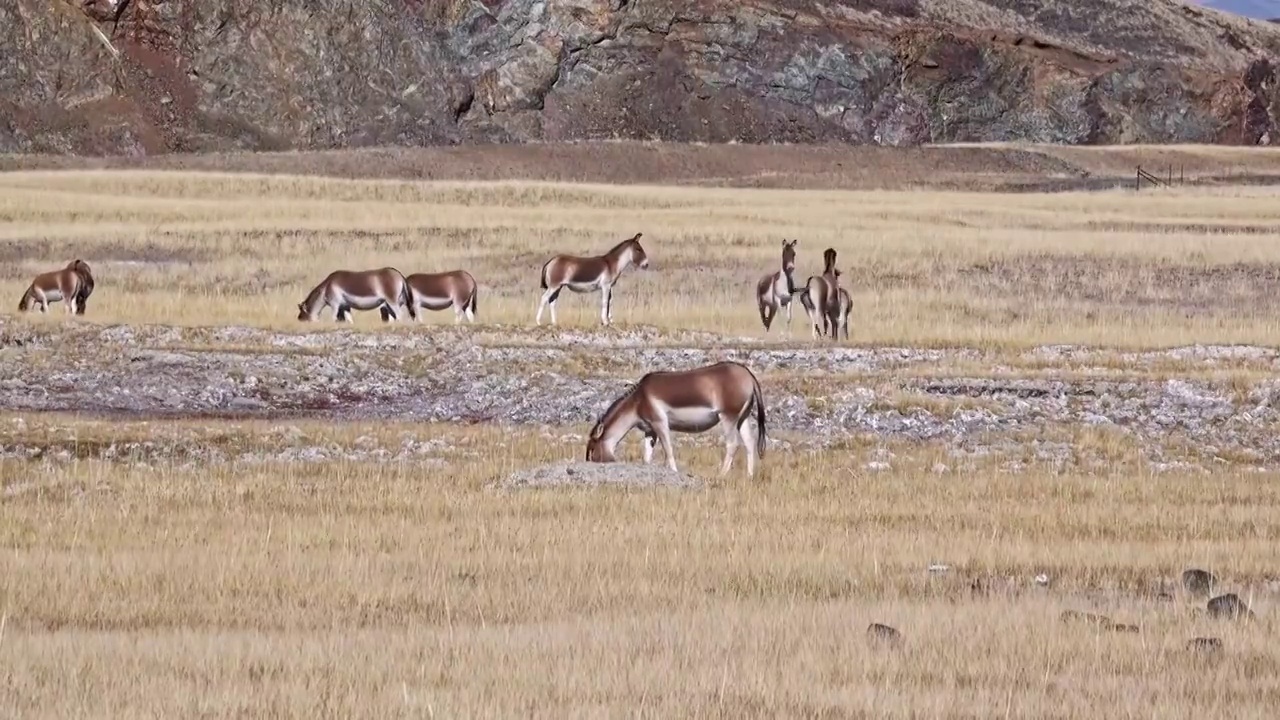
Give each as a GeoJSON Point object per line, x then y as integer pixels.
{"type": "Point", "coordinates": [878, 634]}
{"type": "Point", "coordinates": [1205, 644]}
{"type": "Point", "coordinates": [1198, 582]}
{"type": "Point", "coordinates": [1229, 607]}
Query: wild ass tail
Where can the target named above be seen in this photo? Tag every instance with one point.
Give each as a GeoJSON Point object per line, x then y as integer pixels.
{"type": "Point", "coordinates": [543, 276]}
{"type": "Point", "coordinates": [25, 303]}
{"type": "Point", "coordinates": [406, 297]}
{"type": "Point", "coordinates": [472, 303]}
{"type": "Point", "coordinates": [758, 397]}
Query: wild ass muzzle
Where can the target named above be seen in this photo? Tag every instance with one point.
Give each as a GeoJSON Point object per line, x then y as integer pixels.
{"type": "Point", "coordinates": [347, 290]}
{"type": "Point", "coordinates": [778, 288]}
{"type": "Point", "coordinates": [588, 274]}
{"type": "Point", "coordinates": [686, 401]}
{"type": "Point", "coordinates": [821, 296]}
{"type": "Point", "coordinates": [72, 284]}
{"type": "Point", "coordinates": [455, 289]}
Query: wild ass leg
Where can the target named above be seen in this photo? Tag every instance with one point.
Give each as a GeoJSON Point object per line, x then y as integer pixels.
{"type": "Point", "coordinates": [548, 301]}
{"type": "Point", "coordinates": [647, 444]}
{"type": "Point", "coordinates": [750, 443]}
{"type": "Point", "coordinates": [788, 330]}
{"type": "Point", "coordinates": [389, 313]}
{"type": "Point", "coordinates": [664, 439]}
{"type": "Point", "coordinates": [731, 437]}
{"type": "Point", "coordinates": [606, 295]}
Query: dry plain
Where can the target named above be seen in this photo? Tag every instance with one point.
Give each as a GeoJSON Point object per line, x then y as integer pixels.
{"type": "Point", "coordinates": [211, 509]}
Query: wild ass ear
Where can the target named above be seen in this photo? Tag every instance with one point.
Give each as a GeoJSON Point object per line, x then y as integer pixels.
{"type": "Point", "coordinates": [597, 431]}
{"type": "Point", "coordinates": [637, 236]}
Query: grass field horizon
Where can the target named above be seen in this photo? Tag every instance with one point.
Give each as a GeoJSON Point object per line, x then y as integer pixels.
{"type": "Point", "coordinates": [1049, 403]}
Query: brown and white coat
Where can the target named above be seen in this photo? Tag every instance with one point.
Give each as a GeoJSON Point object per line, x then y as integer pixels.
{"type": "Point", "coordinates": [347, 290]}
{"type": "Point", "coordinates": [588, 274]}
{"type": "Point", "coordinates": [72, 284]}
{"type": "Point", "coordinates": [685, 401]}
{"type": "Point", "coordinates": [778, 288]}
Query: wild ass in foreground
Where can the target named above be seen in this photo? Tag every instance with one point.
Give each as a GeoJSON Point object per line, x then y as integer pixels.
{"type": "Point", "coordinates": [821, 296]}
{"type": "Point", "coordinates": [686, 401]}
{"type": "Point", "coordinates": [347, 290]}
{"type": "Point", "coordinates": [778, 288]}
{"type": "Point", "coordinates": [439, 291]}
{"type": "Point", "coordinates": [72, 284]}
{"type": "Point", "coordinates": [588, 274]}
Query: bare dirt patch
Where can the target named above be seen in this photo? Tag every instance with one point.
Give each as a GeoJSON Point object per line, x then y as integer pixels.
{"type": "Point", "coordinates": [960, 167]}
{"type": "Point", "coordinates": [586, 474]}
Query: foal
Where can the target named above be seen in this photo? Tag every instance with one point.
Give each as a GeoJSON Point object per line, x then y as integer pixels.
{"type": "Point", "coordinates": [438, 291]}
{"type": "Point", "coordinates": [778, 288]}
{"type": "Point", "coordinates": [347, 290]}
{"type": "Point", "coordinates": [73, 284]}
{"type": "Point", "coordinates": [588, 274]}
{"type": "Point", "coordinates": [686, 401]}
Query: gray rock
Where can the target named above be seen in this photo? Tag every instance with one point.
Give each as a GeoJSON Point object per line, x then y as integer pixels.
{"type": "Point", "coordinates": [1205, 644]}
{"type": "Point", "coordinates": [878, 634]}
{"type": "Point", "coordinates": [1198, 582]}
{"type": "Point", "coordinates": [1229, 607]}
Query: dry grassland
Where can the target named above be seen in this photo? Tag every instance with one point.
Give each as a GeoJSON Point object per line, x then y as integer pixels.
{"type": "Point", "coordinates": [304, 568]}
{"type": "Point", "coordinates": [179, 587]}
{"type": "Point", "coordinates": [1160, 268]}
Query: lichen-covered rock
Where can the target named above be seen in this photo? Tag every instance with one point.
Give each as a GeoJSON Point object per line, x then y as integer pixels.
{"type": "Point", "coordinates": [152, 76]}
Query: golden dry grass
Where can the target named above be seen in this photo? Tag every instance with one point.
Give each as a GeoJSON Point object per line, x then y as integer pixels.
{"type": "Point", "coordinates": [1155, 268]}
{"type": "Point", "coordinates": [388, 589]}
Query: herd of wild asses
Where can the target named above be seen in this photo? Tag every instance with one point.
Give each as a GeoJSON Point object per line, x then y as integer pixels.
{"type": "Point", "coordinates": [687, 401]}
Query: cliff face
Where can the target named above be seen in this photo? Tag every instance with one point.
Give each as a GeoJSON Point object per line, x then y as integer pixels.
{"type": "Point", "coordinates": [150, 76]}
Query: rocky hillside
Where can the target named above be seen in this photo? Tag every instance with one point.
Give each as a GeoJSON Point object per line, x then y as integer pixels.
{"type": "Point", "coordinates": [151, 76]}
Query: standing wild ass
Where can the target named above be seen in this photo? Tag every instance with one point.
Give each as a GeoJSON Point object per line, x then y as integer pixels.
{"type": "Point", "coordinates": [821, 298]}
{"type": "Point", "coordinates": [778, 288]}
{"type": "Point", "coordinates": [686, 401]}
{"type": "Point", "coordinates": [347, 290]}
{"type": "Point", "coordinates": [438, 291]}
{"type": "Point", "coordinates": [588, 274]}
{"type": "Point", "coordinates": [72, 284]}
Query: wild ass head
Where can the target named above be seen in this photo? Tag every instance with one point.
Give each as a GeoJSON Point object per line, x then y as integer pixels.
{"type": "Point", "coordinates": [789, 256]}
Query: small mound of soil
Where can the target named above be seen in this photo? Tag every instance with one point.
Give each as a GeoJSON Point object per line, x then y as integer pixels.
{"type": "Point", "coordinates": [588, 474]}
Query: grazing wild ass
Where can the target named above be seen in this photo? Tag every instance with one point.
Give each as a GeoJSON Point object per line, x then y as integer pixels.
{"type": "Point", "coordinates": [72, 284]}
{"type": "Point", "coordinates": [821, 296]}
{"type": "Point", "coordinates": [686, 401]}
{"type": "Point", "coordinates": [439, 291]}
{"type": "Point", "coordinates": [347, 290]}
{"type": "Point", "coordinates": [588, 274]}
{"type": "Point", "coordinates": [778, 288]}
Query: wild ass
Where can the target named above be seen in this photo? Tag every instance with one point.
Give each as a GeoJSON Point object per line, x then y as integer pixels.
{"type": "Point", "coordinates": [821, 296]}
{"type": "Point", "coordinates": [778, 288]}
{"type": "Point", "coordinates": [72, 284]}
{"type": "Point", "coordinates": [438, 291]}
{"type": "Point", "coordinates": [347, 290]}
{"type": "Point", "coordinates": [588, 274]}
{"type": "Point", "coordinates": [686, 401]}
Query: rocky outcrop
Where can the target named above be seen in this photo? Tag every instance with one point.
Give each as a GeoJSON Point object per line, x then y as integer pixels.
{"type": "Point", "coordinates": [151, 76]}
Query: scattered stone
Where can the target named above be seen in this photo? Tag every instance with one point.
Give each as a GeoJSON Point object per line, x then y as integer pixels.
{"type": "Point", "coordinates": [939, 569]}
{"type": "Point", "coordinates": [1076, 616]}
{"type": "Point", "coordinates": [883, 635]}
{"type": "Point", "coordinates": [1205, 644]}
{"type": "Point", "coordinates": [588, 474]}
{"type": "Point", "coordinates": [989, 585]}
{"type": "Point", "coordinates": [1229, 607]}
{"type": "Point", "coordinates": [1198, 582]}
{"type": "Point", "coordinates": [1042, 580]}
